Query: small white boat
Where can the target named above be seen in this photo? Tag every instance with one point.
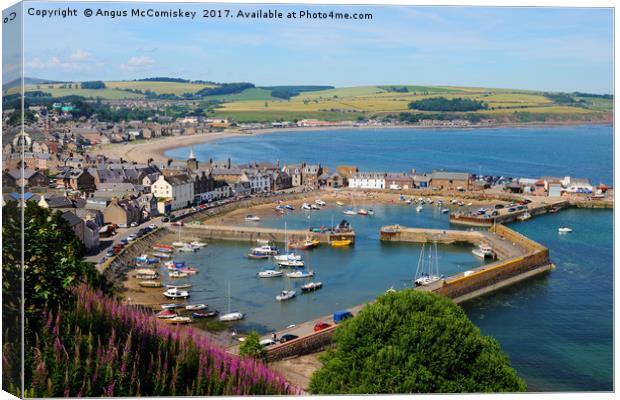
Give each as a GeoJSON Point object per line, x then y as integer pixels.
{"type": "Point", "coordinates": [287, 257]}
{"type": "Point", "coordinates": [181, 286]}
{"type": "Point", "coordinates": [483, 251]}
{"type": "Point", "coordinates": [252, 218]}
{"type": "Point", "coordinates": [453, 201]}
{"type": "Point", "coordinates": [162, 255]}
{"type": "Point", "coordinates": [319, 202]}
{"type": "Point", "coordinates": [286, 295]}
{"type": "Point", "coordinates": [525, 216]}
{"type": "Point", "coordinates": [445, 210]}
{"type": "Point", "coordinates": [179, 244]}
{"type": "Point", "coordinates": [170, 306]}
{"type": "Point", "coordinates": [371, 212]}
{"type": "Point", "coordinates": [196, 307]}
{"type": "Point", "coordinates": [176, 294]}
{"type": "Point", "coordinates": [270, 273]}
{"type": "Point", "coordinates": [419, 208]}
{"type": "Point", "coordinates": [291, 263]}
{"type": "Point", "coordinates": [178, 320]}
{"type": "Point", "coordinates": [314, 207]}
{"type": "Point", "coordinates": [306, 206]}
{"type": "Point", "coordinates": [300, 274]}
{"type": "Point", "coordinates": [564, 230]}
{"type": "Point", "coordinates": [311, 286]}
{"type": "Point", "coordinates": [232, 316]}
{"type": "Point", "coordinates": [265, 249]}
{"type": "Point", "coordinates": [188, 249]}
{"type": "Point", "coordinates": [349, 212]}
{"type": "Point", "coordinates": [196, 243]}
{"type": "Point", "coordinates": [178, 274]}
{"type": "Point", "coordinates": [469, 204]}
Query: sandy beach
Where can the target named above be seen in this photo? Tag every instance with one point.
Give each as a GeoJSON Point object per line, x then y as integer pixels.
{"type": "Point", "coordinates": [142, 150]}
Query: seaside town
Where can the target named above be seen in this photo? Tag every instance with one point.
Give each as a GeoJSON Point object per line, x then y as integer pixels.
{"type": "Point", "coordinates": [325, 205]}
{"type": "Point", "coordinates": [66, 168]}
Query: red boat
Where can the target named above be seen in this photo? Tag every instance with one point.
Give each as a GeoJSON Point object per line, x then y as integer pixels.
{"type": "Point", "coordinates": [163, 246]}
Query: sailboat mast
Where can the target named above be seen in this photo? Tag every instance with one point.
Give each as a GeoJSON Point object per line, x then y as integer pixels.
{"type": "Point", "coordinates": [228, 297]}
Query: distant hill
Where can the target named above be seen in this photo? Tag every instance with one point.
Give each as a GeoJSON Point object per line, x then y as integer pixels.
{"type": "Point", "coordinates": [27, 81]}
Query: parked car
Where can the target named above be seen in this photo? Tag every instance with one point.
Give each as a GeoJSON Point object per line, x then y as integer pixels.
{"type": "Point", "coordinates": [133, 224]}
{"type": "Point", "coordinates": [177, 223]}
{"type": "Point", "coordinates": [267, 342]}
{"type": "Point", "coordinates": [319, 326]}
{"type": "Point", "coordinates": [152, 226]}
{"type": "Point", "coordinates": [131, 237]}
{"type": "Point", "coordinates": [287, 337]}
{"type": "Point", "coordinates": [124, 242]}
{"type": "Point", "coordinates": [122, 225]}
{"type": "Point", "coordinates": [110, 253]}
{"type": "Point", "coordinates": [165, 219]}
{"type": "Point", "coordinates": [499, 206]}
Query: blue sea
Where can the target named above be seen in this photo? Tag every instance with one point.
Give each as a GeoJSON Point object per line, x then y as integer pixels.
{"type": "Point", "coordinates": [578, 151]}
{"type": "Point", "coordinates": [557, 328]}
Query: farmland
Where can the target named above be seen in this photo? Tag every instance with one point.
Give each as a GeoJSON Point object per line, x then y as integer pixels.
{"type": "Point", "coordinates": [349, 103]}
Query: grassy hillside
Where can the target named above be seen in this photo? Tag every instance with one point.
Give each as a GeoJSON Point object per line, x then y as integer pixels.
{"type": "Point", "coordinates": [350, 103]}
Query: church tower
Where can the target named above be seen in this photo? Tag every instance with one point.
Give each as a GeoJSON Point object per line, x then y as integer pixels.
{"type": "Point", "coordinates": [192, 163]}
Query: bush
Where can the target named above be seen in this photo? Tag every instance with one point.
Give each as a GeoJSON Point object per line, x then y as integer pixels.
{"type": "Point", "coordinates": [251, 347]}
{"type": "Point", "coordinates": [413, 342]}
{"type": "Point", "coordinates": [92, 85]}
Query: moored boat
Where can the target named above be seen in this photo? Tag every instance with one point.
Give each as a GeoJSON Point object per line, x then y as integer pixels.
{"type": "Point", "coordinates": [176, 294]}
{"type": "Point", "coordinates": [162, 255]}
{"type": "Point", "coordinates": [349, 212]}
{"type": "Point", "coordinates": [320, 202]}
{"type": "Point", "coordinates": [270, 273]}
{"type": "Point", "coordinates": [483, 251]}
{"type": "Point", "coordinates": [197, 243]}
{"type": "Point", "coordinates": [150, 284]}
{"type": "Point", "coordinates": [252, 218]}
{"type": "Point", "coordinates": [427, 271]}
{"type": "Point", "coordinates": [180, 286]}
{"type": "Point", "coordinates": [291, 263]}
{"type": "Point", "coordinates": [300, 274]}
{"type": "Point", "coordinates": [445, 210]}
{"type": "Point", "coordinates": [196, 307]}
{"type": "Point", "coordinates": [361, 211]}
{"type": "Point", "coordinates": [285, 295]}
{"type": "Point", "coordinates": [204, 314]}
{"type": "Point", "coordinates": [564, 230]}
{"type": "Point", "coordinates": [341, 243]}
{"type": "Point", "coordinates": [419, 208]}
{"type": "Point", "coordinates": [177, 274]}
{"type": "Point", "coordinates": [339, 203]}
{"type": "Point", "coordinates": [165, 314]}
{"type": "Point", "coordinates": [170, 306]}
{"type": "Point", "coordinates": [525, 216]}
{"type": "Point", "coordinates": [257, 256]}
{"type": "Point", "coordinates": [178, 320]}
{"type": "Point", "coordinates": [311, 286]}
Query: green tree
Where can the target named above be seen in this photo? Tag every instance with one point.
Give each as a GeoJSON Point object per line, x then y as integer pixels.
{"type": "Point", "coordinates": [413, 342]}
{"type": "Point", "coordinates": [251, 347]}
{"type": "Point", "coordinates": [52, 267]}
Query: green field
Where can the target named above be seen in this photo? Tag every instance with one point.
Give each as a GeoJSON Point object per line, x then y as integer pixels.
{"type": "Point", "coordinates": [349, 103]}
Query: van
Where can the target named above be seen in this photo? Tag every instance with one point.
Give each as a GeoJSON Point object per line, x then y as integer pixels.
{"type": "Point", "coordinates": [340, 316]}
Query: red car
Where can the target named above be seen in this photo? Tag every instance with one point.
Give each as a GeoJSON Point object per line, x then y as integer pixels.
{"type": "Point", "coordinates": [319, 326]}
{"type": "Point", "coordinates": [177, 223]}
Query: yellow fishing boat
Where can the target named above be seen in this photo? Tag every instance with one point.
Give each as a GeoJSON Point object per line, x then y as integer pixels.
{"type": "Point", "coordinates": [340, 203]}
{"type": "Point", "coordinates": [341, 243]}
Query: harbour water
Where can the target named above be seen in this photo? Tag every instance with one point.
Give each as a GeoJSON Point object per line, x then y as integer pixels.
{"type": "Point", "coordinates": [557, 329]}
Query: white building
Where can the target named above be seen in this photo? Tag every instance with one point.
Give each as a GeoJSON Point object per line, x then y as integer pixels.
{"type": "Point", "coordinates": [260, 181]}
{"type": "Point", "coordinates": [367, 180]}
{"type": "Point", "coordinates": [177, 188]}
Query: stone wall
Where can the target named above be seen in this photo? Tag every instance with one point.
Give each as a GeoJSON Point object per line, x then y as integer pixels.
{"type": "Point", "coordinates": [308, 344]}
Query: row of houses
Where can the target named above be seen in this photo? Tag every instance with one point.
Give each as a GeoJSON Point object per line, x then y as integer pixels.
{"type": "Point", "coordinates": [403, 181]}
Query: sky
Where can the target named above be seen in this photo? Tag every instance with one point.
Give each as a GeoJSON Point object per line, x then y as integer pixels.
{"type": "Point", "coordinates": [556, 49]}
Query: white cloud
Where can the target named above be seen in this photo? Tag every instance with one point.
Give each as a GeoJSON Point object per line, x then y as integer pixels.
{"type": "Point", "coordinates": [80, 55]}
{"type": "Point", "coordinates": [137, 62]}
{"type": "Point", "coordinates": [51, 63]}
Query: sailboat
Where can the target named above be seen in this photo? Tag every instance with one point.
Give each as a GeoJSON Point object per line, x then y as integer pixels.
{"type": "Point", "coordinates": [288, 256]}
{"type": "Point", "coordinates": [231, 316]}
{"type": "Point", "coordinates": [286, 295]}
{"type": "Point", "coordinates": [427, 272]}
{"type": "Point", "coordinates": [300, 273]}
{"type": "Point", "coordinates": [179, 243]}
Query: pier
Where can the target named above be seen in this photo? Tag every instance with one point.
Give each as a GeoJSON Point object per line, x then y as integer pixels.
{"type": "Point", "coordinates": [505, 216]}
{"type": "Point", "coordinates": [253, 234]}
{"type": "Point", "coordinates": [518, 258]}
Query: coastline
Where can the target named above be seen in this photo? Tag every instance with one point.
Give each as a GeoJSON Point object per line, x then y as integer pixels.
{"type": "Point", "coordinates": [143, 150]}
